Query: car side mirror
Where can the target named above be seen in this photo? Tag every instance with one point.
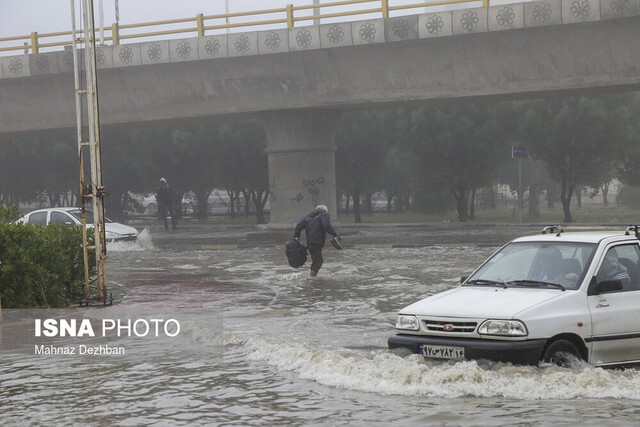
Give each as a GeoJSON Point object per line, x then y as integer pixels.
{"type": "Point", "coordinates": [69, 223]}
{"type": "Point", "coordinates": [597, 288]}
{"type": "Point", "coordinates": [463, 278]}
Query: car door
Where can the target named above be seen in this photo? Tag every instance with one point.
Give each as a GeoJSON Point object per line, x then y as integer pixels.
{"type": "Point", "coordinates": [615, 316]}
{"type": "Point", "coordinates": [61, 218]}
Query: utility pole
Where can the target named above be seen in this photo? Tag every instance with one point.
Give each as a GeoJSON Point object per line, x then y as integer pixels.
{"type": "Point", "coordinates": [89, 141]}
{"type": "Point", "coordinates": [316, 12]}
{"type": "Point", "coordinates": [226, 11]}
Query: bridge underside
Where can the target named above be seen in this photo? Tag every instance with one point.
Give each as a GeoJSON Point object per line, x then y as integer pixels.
{"type": "Point", "coordinates": [299, 94]}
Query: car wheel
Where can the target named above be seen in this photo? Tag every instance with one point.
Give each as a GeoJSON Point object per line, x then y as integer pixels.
{"type": "Point", "coordinates": [561, 353]}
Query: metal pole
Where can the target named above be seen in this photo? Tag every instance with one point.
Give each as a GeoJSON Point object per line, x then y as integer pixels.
{"type": "Point", "coordinates": [97, 188]}
{"type": "Point", "coordinates": [519, 190]}
{"type": "Point", "coordinates": [226, 11]}
{"type": "Point", "coordinates": [78, 91]}
{"type": "Point", "coordinates": [101, 22]}
{"type": "Point", "coordinates": [316, 12]}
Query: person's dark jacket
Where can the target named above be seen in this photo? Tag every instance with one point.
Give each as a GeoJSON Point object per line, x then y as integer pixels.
{"type": "Point", "coordinates": [316, 225]}
{"type": "Point", "coordinates": [164, 197]}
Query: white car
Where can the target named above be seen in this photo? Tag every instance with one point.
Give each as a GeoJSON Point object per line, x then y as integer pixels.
{"type": "Point", "coordinates": [114, 231]}
{"type": "Point", "coordinates": [553, 297]}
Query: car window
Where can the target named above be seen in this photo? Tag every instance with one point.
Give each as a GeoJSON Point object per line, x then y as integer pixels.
{"type": "Point", "coordinates": [526, 262]}
{"type": "Point", "coordinates": [61, 218]}
{"type": "Point", "coordinates": [77, 213]}
{"type": "Point", "coordinates": [38, 218]}
{"type": "Point", "coordinates": [621, 262]}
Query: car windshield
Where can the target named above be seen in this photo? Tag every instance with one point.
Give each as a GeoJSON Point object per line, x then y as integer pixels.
{"type": "Point", "coordinates": [77, 213]}
{"type": "Point", "coordinates": [536, 264]}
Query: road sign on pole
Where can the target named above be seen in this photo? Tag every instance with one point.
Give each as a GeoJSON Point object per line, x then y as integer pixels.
{"type": "Point", "coordinates": [519, 152]}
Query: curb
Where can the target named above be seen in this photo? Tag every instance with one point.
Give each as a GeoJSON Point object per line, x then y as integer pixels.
{"type": "Point", "coordinates": [356, 246]}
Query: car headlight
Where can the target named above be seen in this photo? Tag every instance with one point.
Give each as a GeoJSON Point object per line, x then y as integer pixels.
{"type": "Point", "coordinates": [407, 322]}
{"type": "Point", "coordinates": [111, 235]}
{"type": "Point", "coordinates": [511, 328]}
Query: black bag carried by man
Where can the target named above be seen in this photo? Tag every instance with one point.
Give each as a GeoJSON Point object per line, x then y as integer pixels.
{"type": "Point", "coordinates": [296, 253]}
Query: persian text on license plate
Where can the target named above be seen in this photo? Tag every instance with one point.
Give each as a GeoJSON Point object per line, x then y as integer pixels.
{"type": "Point", "coordinates": [442, 352]}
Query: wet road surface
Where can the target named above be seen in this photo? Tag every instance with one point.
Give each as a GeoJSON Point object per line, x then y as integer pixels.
{"type": "Point", "coordinates": [264, 343]}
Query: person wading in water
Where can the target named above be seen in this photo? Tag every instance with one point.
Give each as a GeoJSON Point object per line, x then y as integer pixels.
{"type": "Point", "coordinates": [316, 225]}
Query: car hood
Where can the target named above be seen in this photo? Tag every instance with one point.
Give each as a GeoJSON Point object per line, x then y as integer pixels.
{"type": "Point", "coordinates": [116, 227]}
{"type": "Point", "coordinates": [481, 302]}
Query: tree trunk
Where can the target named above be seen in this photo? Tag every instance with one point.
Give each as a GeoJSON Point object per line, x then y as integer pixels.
{"type": "Point", "coordinates": [247, 202]}
{"type": "Point", "coordinates": [202, 205]}
{"type": "Point", "coordinates": [579, 197]}
{"type": "Point", "coordinates": [492, 197]}
{"type": "Point", "coordinates": [460, 195]}
{"type": "Point", "coordinates": [389, 200]}
{"type": "Point", "coordinates": [346, 203]}
{"type": "Point", "coordinates": [472, 204]}
{"type": "Point", "coordinates": [259, 200]}
{"type": "Point", "coordinates": [356, 206]}
{"type": "Point", "coordinates": [232, 203]}
{"type": "Point", "coordinates": [565, 198]}
{"type": "Point", "coordinates": [368, 206]}
{"type": "Point", "coordinates": [605, 192]}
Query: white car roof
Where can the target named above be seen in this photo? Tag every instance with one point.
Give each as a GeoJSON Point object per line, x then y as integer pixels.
{"type": "Point", "coordinates": [66, 209]}
{"type": "Point", "coordinates": [579, 237]}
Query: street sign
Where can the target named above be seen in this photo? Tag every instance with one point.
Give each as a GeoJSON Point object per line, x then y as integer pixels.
{"type": "Point", "coordinates": [519, 152]}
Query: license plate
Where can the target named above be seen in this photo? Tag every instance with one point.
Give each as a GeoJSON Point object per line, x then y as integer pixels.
{"type": "Point", "coordinates": [442, 352]}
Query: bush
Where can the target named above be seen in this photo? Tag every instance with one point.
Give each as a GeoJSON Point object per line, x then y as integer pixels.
{"type": "Point", "coordinates": [41, 266]}
{"type": "Point", "coordinates": [10, 214]}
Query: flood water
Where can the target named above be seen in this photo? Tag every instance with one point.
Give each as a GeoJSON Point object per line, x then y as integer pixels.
{"type": "Point", "coordinates": [262, 343]}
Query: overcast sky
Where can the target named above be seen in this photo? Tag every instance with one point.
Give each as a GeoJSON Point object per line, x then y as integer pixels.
{"type": "Point", "coordinates": [21, 17]}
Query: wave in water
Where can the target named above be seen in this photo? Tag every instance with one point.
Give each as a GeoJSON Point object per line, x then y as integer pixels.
{"type": "Point", "coordinates": [380, 371]}
{"type": "Point", "coordinates": [142, 243]}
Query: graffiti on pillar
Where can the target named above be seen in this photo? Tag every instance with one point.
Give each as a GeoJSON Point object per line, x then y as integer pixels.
{"type": "Point", "coordinates": [314, 194]}
{"type": "Point", "coordinates": [298, 198]}
{"type": "Point", "coordinates": [313, 181]}
{"type": "Point", "coordinates": [311, 187]}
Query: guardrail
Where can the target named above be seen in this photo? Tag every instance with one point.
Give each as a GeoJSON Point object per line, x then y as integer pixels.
{"type": "Point", "coordinates": [200, 24]}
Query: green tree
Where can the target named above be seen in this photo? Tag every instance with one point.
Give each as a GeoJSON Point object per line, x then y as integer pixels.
{"type": "Point", "coordinates": [241, 164]}
{"type": "Point", "coordinates": [196, 145]}
{"type": "Point", "coordinates": [628, 169]}
{"type": "Point", "coordinates": [121, 172]}
{"type": "Point", "coordinates": [21, 170]}
{"type": "Point", "coordinates": [363, 139]}
{"type": "Point", "coordinates": [182, 155]}
{"type": "Point", "coordinates": [579, 138]}
{"type": "Point", "coordinates": [460, 148]}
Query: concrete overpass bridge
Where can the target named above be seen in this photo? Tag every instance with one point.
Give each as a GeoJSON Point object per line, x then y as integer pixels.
{"type": "Point", "coordinates": [299, 79]}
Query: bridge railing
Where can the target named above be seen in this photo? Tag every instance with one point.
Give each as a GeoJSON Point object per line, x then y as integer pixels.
{"type": "Point", "coordinates": [287, 16]}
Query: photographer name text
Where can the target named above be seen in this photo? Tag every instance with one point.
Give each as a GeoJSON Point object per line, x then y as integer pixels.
{"type": "Point", "coordinates": [91, 350]}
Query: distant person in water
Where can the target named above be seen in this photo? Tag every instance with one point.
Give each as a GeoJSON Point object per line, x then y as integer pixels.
{"type": "Point", "coordinates": [166, 204]}
{"type": "Point", "coordinates": [316, 225]}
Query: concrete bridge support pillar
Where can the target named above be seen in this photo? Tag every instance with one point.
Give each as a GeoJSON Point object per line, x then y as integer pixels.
{"type": "Point", "coordinates": [302, 173]}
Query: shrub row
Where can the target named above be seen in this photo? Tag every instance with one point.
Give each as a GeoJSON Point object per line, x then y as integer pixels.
{"type": "Point", "coordinates": [41, 266]}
